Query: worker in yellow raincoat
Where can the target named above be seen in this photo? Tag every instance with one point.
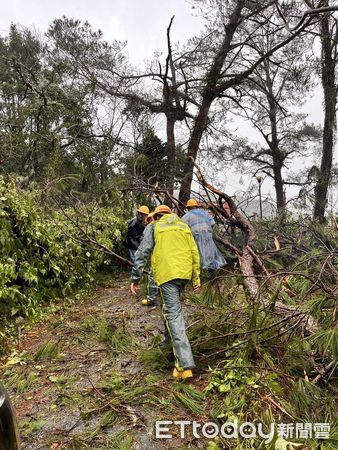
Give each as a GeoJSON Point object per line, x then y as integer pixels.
{"type": "Point", "coordinates": [174, 261]}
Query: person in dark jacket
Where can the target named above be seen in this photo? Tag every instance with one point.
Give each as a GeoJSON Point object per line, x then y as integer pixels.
{"type": "Point", "coordinates": [135, 231]}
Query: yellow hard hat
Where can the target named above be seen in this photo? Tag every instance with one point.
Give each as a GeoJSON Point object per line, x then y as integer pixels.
{"type": "Point", "coordinates": [162, 209]}
{"type": "Point", "coordinates": [191, 202]}
{"type": "Point", "coordinates": [143, 209]}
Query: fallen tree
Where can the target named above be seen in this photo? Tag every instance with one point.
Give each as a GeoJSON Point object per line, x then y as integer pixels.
{"type": "Point", "coordinates": [249, 261]}
{"type": "Point", "coordinates": [269, 292]}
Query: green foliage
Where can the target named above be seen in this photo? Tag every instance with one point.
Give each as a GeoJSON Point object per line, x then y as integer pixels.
{"type": "Point", "coordinates": [21, 383]}
{"type": "Point", "coordinates": [44, 255]}
{"type": "Point", "coordinates": [303, 395]}
{"type": "Point", "coordinates": [282, 444]}
{"type": "Point", "coordinates": [31, 426]}
{"type": "Point", "coordinates": [213, 293]}
{"type": "Point", "coordinates": [150, 158]}
{"type": "Point", "coordinates": [187, 400]}
{"type": "Point", "coordinates": [108, 418]}
{"type": "Point", "coordinates": [296, 358]}
{"type": "Point", "coordinates": [236, 391]}
{"type": "Point", "coordinates": [156, 358]}
{"type": "Point", "coordinates": [190, 391]}
{"type": "Point", "coordinates": [49, 350]}
{"type": "Point", "coordinates": [116, 338]}
{"type": "Point", "coordinates": [122, 441]}
{"type": "Point", "coordinates": [326, 341]}
{"type": "Point", "coordinates": [235, 375]}
{"type": "Point", "coordinates": [122, 389]}
{"type": "Point", "coordinates": [47, 120]}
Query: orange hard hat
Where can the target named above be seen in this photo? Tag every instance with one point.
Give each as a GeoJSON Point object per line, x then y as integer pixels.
{"type": "Point", "coordinates": [191, 202]}
{"type": "Point", "coordinates": [162, 209]}
{"type": "Point", "coordinates": [143, 209]}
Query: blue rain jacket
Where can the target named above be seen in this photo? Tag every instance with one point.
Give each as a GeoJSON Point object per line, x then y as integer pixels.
{"type": "Point", "coordinates": [201, 223]}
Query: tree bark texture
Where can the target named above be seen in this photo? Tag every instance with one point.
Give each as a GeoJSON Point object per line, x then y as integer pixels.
{"type": "Point", "coordinates": [329, 47]}
{"type": "Point", "coordinates": [208, 96]}
{"type": "Point", "coordinates": [170, 178]}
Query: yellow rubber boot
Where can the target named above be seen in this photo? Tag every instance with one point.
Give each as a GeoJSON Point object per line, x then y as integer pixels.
{"type": "Point", "coordinates": [182, 375]}
{"type": "Point", "coordinates": [186, 374]}
{"type": "Point", "coordinates": [176, 374]}
{"type": "Point", "coordinates": [147, 302]}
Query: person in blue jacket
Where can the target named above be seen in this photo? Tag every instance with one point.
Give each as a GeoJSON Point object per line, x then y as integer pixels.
{"type": "Point", "coordinates": [201, 224]}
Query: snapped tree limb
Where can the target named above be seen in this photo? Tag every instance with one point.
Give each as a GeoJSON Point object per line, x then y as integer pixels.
{"type": "Point", "coordinates": [247, 259]}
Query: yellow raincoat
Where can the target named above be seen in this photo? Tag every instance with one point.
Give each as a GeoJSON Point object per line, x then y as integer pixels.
{"type": "Point", "coordinates": [174, 261]}
{"type": "Point", "coordinates": [174, 251]}
{"type": "Point", "coordinates": [175, 254]}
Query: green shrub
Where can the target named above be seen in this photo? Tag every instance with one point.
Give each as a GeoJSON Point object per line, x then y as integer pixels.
{"type": "Point", "coordinates": [44, 255]}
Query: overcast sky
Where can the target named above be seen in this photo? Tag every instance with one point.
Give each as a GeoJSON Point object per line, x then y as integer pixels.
{"type": "Point", "coordinates": [142, 23]}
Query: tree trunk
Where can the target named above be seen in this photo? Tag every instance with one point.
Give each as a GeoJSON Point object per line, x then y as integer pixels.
{"type": "Point", "coordinates": [170, 178]}
{"type": "Point", "coordinates": [103, 172]}
{"type": "Point", "coordinates": [276, 154]}
{"type": "Point", "coordinates": [330, 100]}
{"type": "Point", "coordinates": [208, 97]}
{"type": "Point", "coordinates": [196, 136]}
{"type": "Point", "coordinates": [279, 187]}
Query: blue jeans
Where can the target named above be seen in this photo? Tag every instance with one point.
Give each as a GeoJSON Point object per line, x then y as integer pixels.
{"type": "Point", "coordinates": [152, 289]}
{"type": "Point", "coordinates": [174, 323]}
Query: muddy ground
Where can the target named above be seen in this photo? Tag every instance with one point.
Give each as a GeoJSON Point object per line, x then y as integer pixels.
{"type": "Point", "coordinates": [93, 375]}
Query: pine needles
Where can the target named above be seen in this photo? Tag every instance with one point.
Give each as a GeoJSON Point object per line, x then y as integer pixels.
{"type": "Point", "coordinates": [189, 403]}
{"type": "Point", "coordinates": [116, 338]}
{"type": "Point", "coordinates": [121, 441]}
{"type": "Point", "coordinates": [327, 342]}
{"type": "Point", "coordinates": [49, 350]}
{"type": "Point", "coordinates": [303, 395]}
{"type": "Point", "coordinates": [157, 359]}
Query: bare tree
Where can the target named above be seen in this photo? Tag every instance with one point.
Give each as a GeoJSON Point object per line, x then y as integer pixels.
{"type": "Point", "coordinates": [267, 100]}
{"type": "Point", "coordinates": [235, 59]}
